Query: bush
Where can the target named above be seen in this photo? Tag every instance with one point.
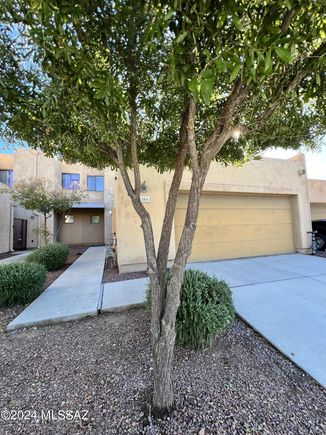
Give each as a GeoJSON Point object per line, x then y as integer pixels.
{"type": "Point", "coordinates": [206, 310]}
{"type": "Point", "coordinates": [51, 256]}
{"type": "Point", "coordinates": [21, 283]}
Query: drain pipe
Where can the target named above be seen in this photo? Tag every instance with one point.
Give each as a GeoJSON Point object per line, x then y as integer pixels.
{"type": "Point", "coordinates": [11, 227]}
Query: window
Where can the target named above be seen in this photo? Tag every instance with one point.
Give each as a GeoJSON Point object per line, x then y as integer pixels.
{"type": "Point", "coordinates": [95, 219]}
{"type": "Point", "coordinates": [69, 219]}
{"type": "Point", "coordinates": [95, 183]}
{"type": "Point", "coordinates": [7, 177]}
{"type": "Point", "coordinates": [70, 181]}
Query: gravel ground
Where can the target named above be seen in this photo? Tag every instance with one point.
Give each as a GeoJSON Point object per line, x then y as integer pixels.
{"type": "Point", "coordinates": [112, 275]}
{"type": "Point", "coordinates": [102, 365]}
{"type": "Point", "coordinates": [5, 255]}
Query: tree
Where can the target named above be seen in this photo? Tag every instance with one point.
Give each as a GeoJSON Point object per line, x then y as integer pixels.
{"type": "Point", "coordinates": [43, 196]}
{"type": "Point", "coordinates": [171, 84]}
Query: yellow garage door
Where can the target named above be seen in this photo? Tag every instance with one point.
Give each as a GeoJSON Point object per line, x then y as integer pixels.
{"type": "Point", "coordinates": [318, 211]}
{"type": "Point", "coordinates": [231, 226]}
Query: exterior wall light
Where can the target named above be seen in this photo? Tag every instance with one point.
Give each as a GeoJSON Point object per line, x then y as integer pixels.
{"type": "Point", "coordinates": [143, 187]}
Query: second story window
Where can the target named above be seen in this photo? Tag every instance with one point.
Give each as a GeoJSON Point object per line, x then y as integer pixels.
{"type": "Point", "coordinates": [70, 181]}
{"type": "Point", "coordinates": [7, 177]}
{"type": "Point", "coordinates": [95, 183]}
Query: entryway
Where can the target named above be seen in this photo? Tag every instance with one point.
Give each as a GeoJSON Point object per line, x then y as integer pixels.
{"type": "Point", "coordinates": [20, 234]}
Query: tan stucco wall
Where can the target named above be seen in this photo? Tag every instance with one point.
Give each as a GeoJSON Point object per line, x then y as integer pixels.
{"type": "Point", "coordinates": [267, 176]}
{"type": "Point", "coordinates": [317, 196]}
{"type": "Point", "coordinates": [6, 161]}
{"type": "Point", "coordinates": [317, 191]}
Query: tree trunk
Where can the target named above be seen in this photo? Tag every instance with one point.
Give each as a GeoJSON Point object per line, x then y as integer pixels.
{"type": "Point", "coordinates": [163, 349]}
{"type": "Point", "coordinates": [162, 373]}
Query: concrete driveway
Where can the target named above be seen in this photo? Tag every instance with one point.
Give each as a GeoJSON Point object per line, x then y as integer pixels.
{"type": "Point", "coordinates": [283, 297]}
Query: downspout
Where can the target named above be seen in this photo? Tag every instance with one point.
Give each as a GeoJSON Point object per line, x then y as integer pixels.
{"type": "Point", "coordinates": [11, 218]}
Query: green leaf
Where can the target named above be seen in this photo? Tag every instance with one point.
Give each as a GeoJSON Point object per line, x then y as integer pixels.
{"type": "Point", "coordinates": [235, 72]}
{"type": "Point", "coordinates": [169, 15]}
{"type": "Point", "coordinates": [221, 65]}
{"type": "Point", "coordinates": [206, 90]}
{"type": "Point", "coordinates": [192, 85]}
{"type": "Point", "coordinates": [284, 54]}
{"type": "Point", "coordinates": [237, 23]}
{"type": "Point", "coordinates": [181, 37]}
{"type": "Point", "coordinates": [268, 61]}
{"type": "Point", "coordinates": [318, 79]}
{"type": "Point", "coordinates": [208, 73]}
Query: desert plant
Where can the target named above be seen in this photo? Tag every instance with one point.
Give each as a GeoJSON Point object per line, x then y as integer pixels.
{"type": "Point", "coordinates": [51, 256]}
{"type": "Point", "coordinates": [20, 283]}
{"type": "Point", "coordinates": [206, 309]}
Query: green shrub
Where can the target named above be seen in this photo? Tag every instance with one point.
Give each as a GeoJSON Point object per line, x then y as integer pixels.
{"type": "Point", "coordinates": [51, 256]}
{"type": "Point", "coordinates": [21, 283]}
{"type": "Point", "coordinates": [206, 309]}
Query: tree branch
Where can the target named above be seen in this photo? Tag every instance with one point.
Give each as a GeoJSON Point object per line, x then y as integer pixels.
{"type": "Point", "coordinates": [133, 146]}
{"type": "Point", "coordinates": [192, 135]}
{"type": "Point", "coordinates": [287, 20]}
{"type": "Point", "coordinates": [302, 70]}
{"type": "Point", "coordinates": [163, 250]}
{"type": "Point", "coordinates": [110, 152]}
{"type": "Point", "coordinates": [223, 130]}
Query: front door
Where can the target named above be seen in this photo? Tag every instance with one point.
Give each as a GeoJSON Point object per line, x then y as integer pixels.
{"type": "Point", "coordinates": [20, 234]}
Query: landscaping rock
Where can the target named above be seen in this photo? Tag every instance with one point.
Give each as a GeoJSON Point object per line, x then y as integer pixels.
{"type": "Point", "coordinates": [102, 365]}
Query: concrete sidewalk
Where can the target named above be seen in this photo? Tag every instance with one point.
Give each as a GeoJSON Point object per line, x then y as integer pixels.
{"type": "Point", "coordinates": [122, 295]}
{"type": "Point", "coordinates": [15, 258]}
{"type": "Point", "coordinates": [73, 295]}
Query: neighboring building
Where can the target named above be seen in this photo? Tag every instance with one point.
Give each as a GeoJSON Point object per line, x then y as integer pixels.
{"type": "Point", "coordinates": [89, 222]}
{"type": "Point", "coordinates": [317, 194]}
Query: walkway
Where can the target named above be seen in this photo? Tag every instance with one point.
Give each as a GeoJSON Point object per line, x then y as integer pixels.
{"type": "Point", "coordinates": [15, 258]}
{"type": "Point", "coordinates": [75, 294]}
{"type": "Point", "coordinates": [283, 297]}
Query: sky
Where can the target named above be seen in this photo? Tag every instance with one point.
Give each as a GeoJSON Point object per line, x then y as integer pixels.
{"type": "Point", "coordinates": [315, 161]}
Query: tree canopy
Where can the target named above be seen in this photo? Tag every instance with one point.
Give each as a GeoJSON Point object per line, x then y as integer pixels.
{"type": "Point", "coordinates": [70, 71]}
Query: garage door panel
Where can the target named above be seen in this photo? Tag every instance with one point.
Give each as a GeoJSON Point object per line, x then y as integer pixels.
{"type": "Point", "coordinates": [238, 216]}
{"type": "Point", "coordinates": [208, 252]}
{"type": "Point", "coordinates": [245, 232]}
{"type": "Point", "coordinates": [238, 226]}
{"type": "Point", "coordinates": [230, 201]}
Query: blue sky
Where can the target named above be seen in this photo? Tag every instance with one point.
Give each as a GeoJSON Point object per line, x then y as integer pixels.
{"type": "Point", "coordinates": [316, 161]}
